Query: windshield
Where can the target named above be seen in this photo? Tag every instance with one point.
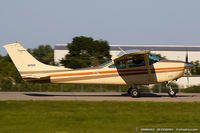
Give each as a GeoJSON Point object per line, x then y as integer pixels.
{"type": "Point", "coordinates": [105, 63]}
{"type": "Point", "coordinates": [153, 59]}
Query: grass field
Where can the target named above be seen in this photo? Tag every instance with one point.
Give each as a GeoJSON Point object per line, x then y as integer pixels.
{"type": "Point", "coordinates": [94, 117]}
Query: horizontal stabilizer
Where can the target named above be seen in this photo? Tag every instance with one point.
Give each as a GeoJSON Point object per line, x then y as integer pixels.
{"type": "Point", "coordinates": [35, 76]}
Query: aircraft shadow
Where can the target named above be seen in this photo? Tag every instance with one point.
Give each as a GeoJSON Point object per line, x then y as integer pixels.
{"type": "Point", "coordinates": [51, 95]}
{"type": "Point", "coordinates": [92, 95]}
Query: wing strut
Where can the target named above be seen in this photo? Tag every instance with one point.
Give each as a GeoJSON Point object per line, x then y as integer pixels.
{"type": "Point", "coordinates": [122, 50]}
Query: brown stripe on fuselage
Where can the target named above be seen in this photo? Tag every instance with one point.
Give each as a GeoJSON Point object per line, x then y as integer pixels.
{"type": "Point", "coordinates": [34, 80]}
{"type": "Point", "coordinates": [83, 78]}
{"type": "Point", "coordinates": [153, 72]}
{"type": "Point", "coordinates": [106, 76]}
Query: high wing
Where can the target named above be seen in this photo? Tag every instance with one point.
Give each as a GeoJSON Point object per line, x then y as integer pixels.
{"type": "Point", "coordinates": [124, 55]}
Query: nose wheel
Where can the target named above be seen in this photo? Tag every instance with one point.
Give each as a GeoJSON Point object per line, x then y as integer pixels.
{"type": "Point", "coordinates": [171, 92]}
{"type": "Point", "coordinates": [133, 92]}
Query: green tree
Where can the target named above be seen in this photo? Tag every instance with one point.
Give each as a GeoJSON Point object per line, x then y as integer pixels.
{"type": "Point", "coordinates": [86, 52]}
{"type": "Point", "coordinates": [9, 75]}
{"type": "Point", "coordinates": [196, 69]}
{"type": "Point", "coordinates": [44, 53]}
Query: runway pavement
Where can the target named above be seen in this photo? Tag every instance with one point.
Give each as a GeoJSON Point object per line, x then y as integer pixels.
{"type": "Point", "coordinates": [98, 96]}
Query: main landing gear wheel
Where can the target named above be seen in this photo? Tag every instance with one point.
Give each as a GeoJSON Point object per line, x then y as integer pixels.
{"type": "Point", "coordinates": [171, 92]}
{"type": "Point", "coordinates": [133, 92]}
{"type": "Point", "coordinates": [129, 91]}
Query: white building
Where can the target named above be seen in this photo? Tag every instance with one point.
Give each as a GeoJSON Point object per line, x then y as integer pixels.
{"type": "Point", "coordinates": [172, 52]}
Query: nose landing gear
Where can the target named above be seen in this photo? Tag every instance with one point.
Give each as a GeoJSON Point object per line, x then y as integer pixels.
{"type": "Point", "coordinates": [171, 92]}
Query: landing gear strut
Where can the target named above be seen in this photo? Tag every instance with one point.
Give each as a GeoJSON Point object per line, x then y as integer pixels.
{"type": "Point", "coordinates": [134, 92]}
{"type": "Point", "coordinates": [171, 92]}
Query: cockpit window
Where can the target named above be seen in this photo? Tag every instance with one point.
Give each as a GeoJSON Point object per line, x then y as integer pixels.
{"type": "Point", "coordinates": [153, 59]}
{"type": "Point", "coordinates": [105, 63]}
{"type": "Point", "coordinates": [112, 66]}
{"type": "Point", "coordinates": [121, 64]}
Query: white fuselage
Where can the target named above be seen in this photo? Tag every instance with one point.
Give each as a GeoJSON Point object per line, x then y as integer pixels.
{"type": "Point", "coordinates": [161, 71]}
{"type": "Point", "coordinates": [144, 72]}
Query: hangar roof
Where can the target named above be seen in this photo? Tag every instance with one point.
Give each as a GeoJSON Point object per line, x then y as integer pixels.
{"type": "Point", "coordinates": [143, 47]}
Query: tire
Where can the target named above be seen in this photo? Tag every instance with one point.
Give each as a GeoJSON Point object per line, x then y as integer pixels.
{"type": "Point", "coordinates": [134, 93]}
{"type": "Point", "coordinates": [129, 91]}
{"type": "Point", "coordinates": [172, 93]}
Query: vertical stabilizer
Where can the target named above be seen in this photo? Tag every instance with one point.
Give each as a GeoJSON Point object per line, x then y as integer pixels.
{"type": "Point", "coordinates": [25, 62]}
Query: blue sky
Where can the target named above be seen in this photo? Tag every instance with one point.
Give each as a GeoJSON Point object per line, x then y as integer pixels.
{"type": "Point", "coordinates": [35, 22]}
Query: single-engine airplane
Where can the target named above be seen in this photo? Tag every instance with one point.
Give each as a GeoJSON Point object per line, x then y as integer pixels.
{"type": "Point", "coordinates": [132, 67]}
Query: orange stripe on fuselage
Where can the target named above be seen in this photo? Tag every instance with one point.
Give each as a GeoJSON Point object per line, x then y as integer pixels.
{"type": "Point", "coordinates": [72, 74]}
{"type": "Point", "coordinates": [105, 72]}
{"type": "Point", "coordinates": [170, 68]}
{"type": "Point", "coordinates": [113, 71]}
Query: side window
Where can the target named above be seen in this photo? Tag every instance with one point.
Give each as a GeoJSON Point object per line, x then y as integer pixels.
{"type": "Point", "coordinates": [136, 61]}
{"type": "Point", "coordinates": [121, 64]}
{"type": "Point", "coordinates": [130, 63]}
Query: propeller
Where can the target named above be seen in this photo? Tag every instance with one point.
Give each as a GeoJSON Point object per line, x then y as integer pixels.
{"type": "Point", "coordinates": [187, 69]}
{"type": "Point", "coordinates": [186, 57]}
{"type": "Point", "coordinates": [188, 66]}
